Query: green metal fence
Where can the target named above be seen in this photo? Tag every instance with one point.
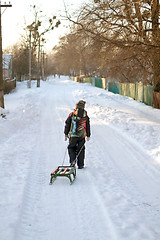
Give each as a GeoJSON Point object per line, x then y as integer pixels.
{"type": "Point", "coordinates": [139, 92]}
{"type": "Point", "coordinates": [87, 80]}
{"type": "Point", "coordinates": [104, 83]}
{"type": "Point", "coordinates": [124, 88]}
{"type": "Point", "coordinates": [148, 95]}
{"type": "Point", "coordinates": [132, 90]}
{"type": "Point", "coordinates": [114, 87]}
{"type": "Point", "coordinates": [136, 91]}
{"type": "Point", "coordinates": [98, 82]}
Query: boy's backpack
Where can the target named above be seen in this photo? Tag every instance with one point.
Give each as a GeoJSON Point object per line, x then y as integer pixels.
{"type": "Point", "coordinates": [78, 124]}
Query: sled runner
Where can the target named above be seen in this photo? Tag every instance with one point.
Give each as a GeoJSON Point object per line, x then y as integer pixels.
{"type": "Point", "coordinates": [64, 171]}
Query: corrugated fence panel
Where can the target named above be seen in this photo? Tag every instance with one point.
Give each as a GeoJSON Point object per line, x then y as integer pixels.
{"type": "Point", "coordinates": [98, 82]}
{"type": "Point", "coordinates": [132, 90]}
{"type": "Point", "coordinates": [93, 81]}
{"type": "Point", "coordinates": [114, 87]}
{"type": "Point", "coordinates": [124, 89]}
{"type": "Point", "coordinates": [119, 87]}
{"type": "Point", "coordinates": [148, 95]}
{"type": "Point", "coordinates": [87, 80]}
{"type": "Point", "coordinates": [139, 92]}
{"type": "Point", "coordinates": [128, 90]}
{"type": "Point", "coordinates": [104, 84]}
{"type": "Point", "coordinates": [110, 86]}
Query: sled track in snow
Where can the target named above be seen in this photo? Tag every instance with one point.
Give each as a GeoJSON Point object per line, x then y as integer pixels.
{"type": "Point", "coordinates": [33, 211]}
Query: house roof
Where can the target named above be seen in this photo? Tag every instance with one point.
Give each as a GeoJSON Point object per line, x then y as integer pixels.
{"type": "Point", "coordinates": [6, 60]}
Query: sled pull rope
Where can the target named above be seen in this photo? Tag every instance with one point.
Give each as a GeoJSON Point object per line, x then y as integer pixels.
{"type": "Point", "coordinates": [78, 153]}
{"type": "Point", "coordinates": [64, 156]}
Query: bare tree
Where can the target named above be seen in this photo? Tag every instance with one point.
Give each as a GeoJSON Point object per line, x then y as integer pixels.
{"type": "Point", "coordinates": [20, 62]}
{"type": "Point", "coordinates": [39, 27]}
{"type": "Point", "coordinates": [70, 55]}
{"type": "Point", "coordinates": [126, 26]}
{"type": "Point", "coordinates": [36, 32]}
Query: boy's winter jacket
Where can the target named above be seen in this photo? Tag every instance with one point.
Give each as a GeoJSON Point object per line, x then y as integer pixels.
{"type": "Point", "coordinates": [77, 124]}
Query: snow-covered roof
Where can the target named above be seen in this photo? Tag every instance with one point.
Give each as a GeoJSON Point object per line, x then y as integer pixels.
{"type": "Point", "coordinates": [6, 60]}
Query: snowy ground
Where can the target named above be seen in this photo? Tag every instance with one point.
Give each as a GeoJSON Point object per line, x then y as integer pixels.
{"type": "Point", "coordinates": [117, 195]}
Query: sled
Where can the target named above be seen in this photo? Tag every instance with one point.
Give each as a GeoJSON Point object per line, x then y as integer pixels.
{"type": "Point", "coordinates": [64, 171]}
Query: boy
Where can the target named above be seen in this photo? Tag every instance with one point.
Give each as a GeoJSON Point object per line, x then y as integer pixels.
{"type": "Point", "coordinates": [77, 126]}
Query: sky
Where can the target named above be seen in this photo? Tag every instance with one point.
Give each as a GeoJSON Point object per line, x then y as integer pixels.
{"type": "Point", "coordinates": [13, 18]}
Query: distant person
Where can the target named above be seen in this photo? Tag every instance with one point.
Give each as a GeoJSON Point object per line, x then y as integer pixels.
{"type": "Point", "coordinates": [77, 129]}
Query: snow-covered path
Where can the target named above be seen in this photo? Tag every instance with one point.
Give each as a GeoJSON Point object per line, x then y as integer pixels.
{"type": "Point", "coordinates": [117, 195]}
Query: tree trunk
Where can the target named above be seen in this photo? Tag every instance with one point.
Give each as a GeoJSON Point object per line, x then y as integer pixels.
{"type": "Point", "coordinates": [156, 38]}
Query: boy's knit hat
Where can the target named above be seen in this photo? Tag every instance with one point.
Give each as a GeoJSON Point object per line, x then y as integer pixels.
{"type": "Point", "coordinates": [80, 104]}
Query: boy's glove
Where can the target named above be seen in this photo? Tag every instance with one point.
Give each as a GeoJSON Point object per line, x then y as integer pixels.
{"type": "Point", "coordinates": [65, 137]}
{"type": "Point", "coordinates": [87, 138]}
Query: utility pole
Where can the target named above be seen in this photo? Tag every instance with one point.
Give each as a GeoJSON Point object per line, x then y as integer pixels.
{"type": "Point", "coordinates": [43, 78]}
{"type": "Point", "coordinates": [1, 59]}
{"type": "Point", "coordinates": [30, 64]}
{"type": "Point", "coordinates": [39, 63]}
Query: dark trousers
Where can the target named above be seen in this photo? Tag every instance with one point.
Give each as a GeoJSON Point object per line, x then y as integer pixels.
{"type": "Point", "coordinates": [74, 147]}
